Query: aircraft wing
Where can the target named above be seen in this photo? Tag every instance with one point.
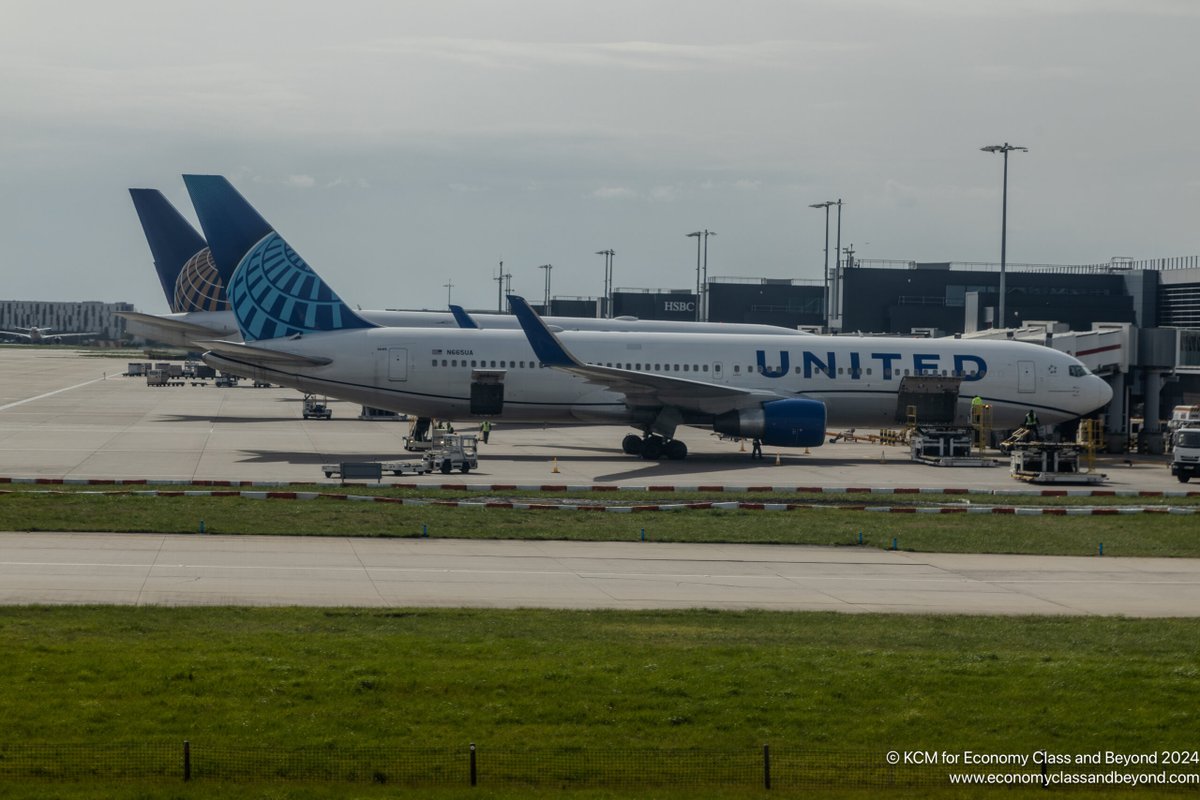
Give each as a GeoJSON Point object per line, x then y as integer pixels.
{"type": "Point", "coordinates": [261, 356]}
{"type": "Point", "coordinates": [16, 334]}
{"type": "Point", "coordinates": [641, 389]}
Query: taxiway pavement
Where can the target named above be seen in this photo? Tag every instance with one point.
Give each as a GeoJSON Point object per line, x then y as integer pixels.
{"type": "Point", "coordinates": [198, 569]}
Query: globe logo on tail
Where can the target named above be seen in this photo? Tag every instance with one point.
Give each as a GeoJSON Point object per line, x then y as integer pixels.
{"type": "Point", "coordinates": [274, 293]}
{"type": "Point", "coordinates": [199, 287]}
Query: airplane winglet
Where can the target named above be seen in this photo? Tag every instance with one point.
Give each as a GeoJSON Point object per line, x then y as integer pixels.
{"type": "Point", "coordinates": [549, 350]}
{"type": "Point", "coordinates": [461, 316]}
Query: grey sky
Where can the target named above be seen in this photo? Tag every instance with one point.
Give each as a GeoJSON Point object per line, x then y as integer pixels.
{"type": "Point", "coordinates": [399, 145]}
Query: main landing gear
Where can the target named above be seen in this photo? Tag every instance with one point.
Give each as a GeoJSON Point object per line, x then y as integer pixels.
{"type": "Point", "coordinates": [652, 447]}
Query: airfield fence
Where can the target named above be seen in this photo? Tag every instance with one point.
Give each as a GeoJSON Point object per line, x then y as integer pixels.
{"type": "Point", "coordinates": [767, 767]}
{"type": "Point", "coordinates": [548, 767]}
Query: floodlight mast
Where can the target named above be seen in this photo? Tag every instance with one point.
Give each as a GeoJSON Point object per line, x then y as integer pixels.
{"type": "Point", "coordinates": [1005, 149]}
{"type": "Point", "coordinates": [826, 206]}
{"type": "Point", "coordinates": [608, 257]}
{"type": "Point", "coordinates": [500, 279]}
{"type": "Point", "coordinates": [547, 267]}
{"type": "Point", "coordinates": [701, 282]}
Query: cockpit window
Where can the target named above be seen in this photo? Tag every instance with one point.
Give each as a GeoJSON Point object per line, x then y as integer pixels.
{"type": "Point", "coordinates": [1078, 370]}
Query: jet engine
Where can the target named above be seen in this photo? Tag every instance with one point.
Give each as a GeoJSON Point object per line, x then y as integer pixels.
{"type": "Point", "coordinates": [782, 423]}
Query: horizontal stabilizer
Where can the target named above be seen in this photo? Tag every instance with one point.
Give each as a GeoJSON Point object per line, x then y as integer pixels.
{"type": "Point", "coordinates": [248, 354]}
{"type": "Point", "coordinates": [176, 326]}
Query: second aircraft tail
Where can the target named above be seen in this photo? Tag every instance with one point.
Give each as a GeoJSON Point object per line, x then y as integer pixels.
{"type": "Point", "coordinates": [185, 266]}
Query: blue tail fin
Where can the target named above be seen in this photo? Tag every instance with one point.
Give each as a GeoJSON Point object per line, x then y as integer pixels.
{"type": "Point", "coordinates": [184, 265]}
{"type": "Point", "coordinates": [545, 344]}
{"type": "Point", "coordinates": [274, 293]}
{"type": "Point", "coordinates": [461, 316]}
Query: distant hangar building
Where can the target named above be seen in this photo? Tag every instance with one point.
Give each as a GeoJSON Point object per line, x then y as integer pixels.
{"type": "Point", "coordinates": [66, 317]}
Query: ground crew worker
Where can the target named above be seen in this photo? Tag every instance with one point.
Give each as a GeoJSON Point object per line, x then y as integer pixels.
{"type": "Point", "coordinates": [756, 449]}
{"type": "Point", "coordinates": [486, 429]}
{"type": "Point", "coordinates": [1031, 425]}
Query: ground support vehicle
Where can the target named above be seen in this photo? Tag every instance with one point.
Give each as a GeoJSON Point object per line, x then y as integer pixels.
{"type": "Point", "coordinates": [1051, 462]}
{"type": "Point", "coordinates": [946, 446]}
{"type": "Point", "coordinates": [448, 452]}
{"type": "Point", "coordinates": [161, 377]}
{"type": "Point", "coordinates": [419, 439]}
{"type": "Point", "coordinates": [316, 409]}
{"type": "Point", "coordinates": [1185, 454]}
{"type": "Point", "coordinates": [453, 451]}
{"type": "Point", "coordinates": [372, 470]}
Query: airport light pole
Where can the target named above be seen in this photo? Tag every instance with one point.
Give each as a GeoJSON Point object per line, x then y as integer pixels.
{"type": "Point", "coordinates": [547, 267]}
{"type": "Point", "coordinates": [697, 234]}
{"type": "Point", "coordinates": [826, 206]}
{"type": "Point", "coordinates": [1005, 149]}
{"type": "Point", "coordinates": [449, 286]}
{"type": "Point", "coordinates": [837, 265]}
{"type": "Point", "coordinates": [499, 279]}
{"type": "Point", "coordinates": [704, 280]}
{"type": "Point", "coordinates": [608, 257]}
{"type": "Point", "coordinates": [701, 277]}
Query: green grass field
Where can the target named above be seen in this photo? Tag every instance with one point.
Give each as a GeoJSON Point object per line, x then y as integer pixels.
{"type": "Point", "coordinates": [1121, 535]}
{"type": "Point", "coordinates": [535, 683]}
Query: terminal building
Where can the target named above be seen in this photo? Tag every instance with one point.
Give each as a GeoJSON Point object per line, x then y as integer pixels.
{"type": "Point", "coordinates": [1135, 322]}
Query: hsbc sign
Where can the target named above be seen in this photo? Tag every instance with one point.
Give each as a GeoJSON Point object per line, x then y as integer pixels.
{"type": "Point", "coordinates": [656, 305]}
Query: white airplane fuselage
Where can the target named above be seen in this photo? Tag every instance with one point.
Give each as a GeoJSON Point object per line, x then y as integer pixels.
{"type": "Point", "coordinates": [183, 329]}
{"type": "Point", "coordinates": [429, 373]}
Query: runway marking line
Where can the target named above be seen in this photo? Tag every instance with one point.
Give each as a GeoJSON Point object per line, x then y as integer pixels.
{"type": "Point", "coordinates": [50, 394]}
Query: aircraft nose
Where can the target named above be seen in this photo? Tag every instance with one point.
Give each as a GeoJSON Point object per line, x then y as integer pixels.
{"type": "Point", "coordinates": [1103, 391]}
